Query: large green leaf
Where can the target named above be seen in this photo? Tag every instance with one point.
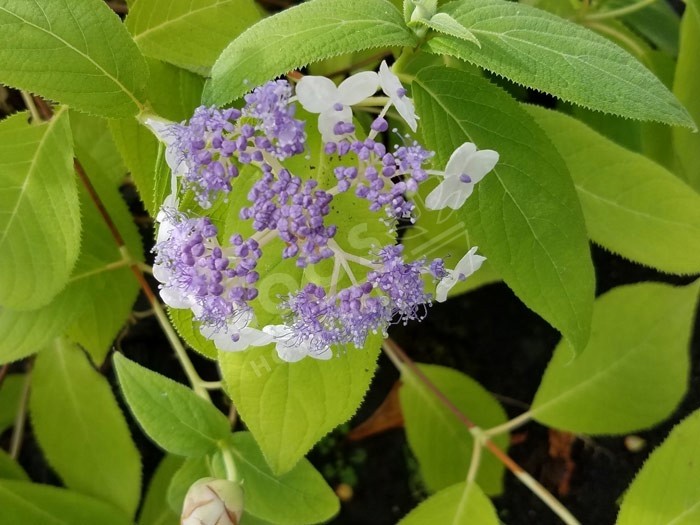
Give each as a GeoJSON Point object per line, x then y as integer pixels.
{"type": "Point", "coordinates": [99, 293]}
{"type": "Point", "coordinates": [525, 215]}
{"type": "Point", "coordinates": [299, 497]}
{"type": "Point", "coordinates": [80, 428]}
{"type": "Point", "coordinates": [95, 148]}
{"type": "Point", "coordinates": [460, 504]}
{"type": "Point", "coordinates": [155, 509]}
{"type": "Point", "coordinates": [10, 394]}
{"type": "Point", "coordinates": [542, 51]}
{"type": "Point", "coordinates": [666, 490]}
{"type": "Point", "coordinates": [290, 406]}
{"type": "Point", "coordinates": [686, 86]}
{"type": "Point", "coordinates": [634, 371]}
{"type": "Point", "coordinates": [170, 413]}
{"type": "Point", "coordinates": [33, 504]}
{"type": "Point", "coordinates": [632, 205]}
{"type": "Point", "coordinates": [305, 33]}
{"type": "Point", "coordinates": [74, 51]}
{"type": "Point", "coordinates": [39, 213]}
{"type": "Point", "coordinates": [440, 441]}
{"type": "Point", "coordinates": [189, 33]}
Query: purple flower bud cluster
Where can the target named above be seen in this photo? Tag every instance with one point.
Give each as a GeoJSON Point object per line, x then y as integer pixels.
{"type": "Point", "coordinates": [214, 143]}
{"type": "Point", "coordinates": [393, 292]}
{"type": "Point", "coordinates": [216, 283]}
{"type": "Point", "coordinates": [297, 211]}
{"type": "Point", "coordinates": [383, 178]}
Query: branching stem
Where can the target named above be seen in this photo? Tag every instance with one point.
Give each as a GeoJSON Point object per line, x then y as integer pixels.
{"type": "Point", "coordinates": [406, 365]}
{"type": "Point", "coordinates": [622, 11]}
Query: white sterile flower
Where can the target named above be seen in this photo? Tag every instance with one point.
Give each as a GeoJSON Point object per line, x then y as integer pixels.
{"type": "Point", "coordinates": [291, 350]}
{"type": "Point", "coordinates": [467, 265]}
{"type": "Point", "coordinates": [321, 95]}
{"type": "Point", "coordinates": [246, 336]}
{"type": "Point", "coordinates": [164, 130]}
{"type": "Point", "coordinates": [392, 88]}
{"type": "Point", "coordinates": [466, 167]}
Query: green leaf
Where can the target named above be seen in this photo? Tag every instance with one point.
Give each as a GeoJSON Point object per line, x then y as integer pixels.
{"type": "Point", "coordinates": [290, 406]}
{"type": "Point", "coordinates": [170, 413]}
{"type": "Point", "coordinates": [666, 490]}
{"type": "Point", "coordinates": [100, 281]}
{"type": "Point", "coordinates": [305, 33]}
{"type": "Point", "coordinates": [187, 329]}
{"type": "Point", "coordinates": [632, 205]}
{"type": "Point", "coordinates": [657, 22]}
{"type": "Point", "coordinates": [440, 441]}
{"type": "Point", "coordinates": [173, 92]}
{"type": "Point", "coordinates": [542, 51]}
{"type": "Point", "coordinates": [155, 509]}
{"type": "Point", "coordinates": [188, 33]}
{"type": "Point", "coordinates": [460, 504]}
{"type": "Point", "coordinates": [191, 470]}
{"type": "Point", "coordinates": [95, 148]}
{"type": "Point", "coordinates": [444, 23]}
{"type": "Point", "coordinates": [81, 429]}
{"type": "Point", "coordinates": [39, 214]}
{"type": "Point", "coordinates": [524, 216]}
{"type": "Point", "coordinates": [74, 51]}
{"type": "Point", "coordinates": [634, 371]}
{"type": "Point", "coordinates": [10, 469]}
{"type": "Point", "coordinates": [34, 504]}
{"type": "Point", "coordinates": [299, 497]}
{"type": "Point", "coordinates": [686, 86]}
{"type": "Point", "coordinates": [10, 394]}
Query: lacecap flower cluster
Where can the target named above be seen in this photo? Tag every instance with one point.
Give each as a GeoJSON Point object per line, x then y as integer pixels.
{"type": "Point", "coordinates": [216, 276]}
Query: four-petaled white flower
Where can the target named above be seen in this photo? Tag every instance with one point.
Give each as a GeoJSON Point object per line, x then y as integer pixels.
{"type": "Point", "coordinates": [236, 335]}
{"type": "Point", "coordinates": [467, 265]}
{"type": "Point", "coordinates": [392, 88]}
{"type": "Point", "coordinates": [164, 130]}
{"type": "Point", "coordinates": [466, 167]}
{"type": "Point", "coordinates": [290, 350]}
{"type": "Point", "coordinates": [321, 95]}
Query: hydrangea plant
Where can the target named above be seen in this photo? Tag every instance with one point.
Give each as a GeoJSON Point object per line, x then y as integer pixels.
{"type": "Point", "coordinates": [315, 177]}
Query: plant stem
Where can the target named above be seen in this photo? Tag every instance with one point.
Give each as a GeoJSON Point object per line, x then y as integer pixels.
{"type": "Point", "coordinates": [31, 106]}
{"type": "Point", "coordinates": [622, 11]}
{"type": "Point", "coordinates": [20, 416]}
{"type": "Point", "coordinates": [514, 423]}
{"type": "Point", "coordinates": [404, 363]}
{"type": "Point", "coordinates": [229, 464]}
{"type": "Point", "coordinates": [475, 461]}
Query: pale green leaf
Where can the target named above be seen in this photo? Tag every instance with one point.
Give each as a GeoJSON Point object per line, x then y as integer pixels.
{"type": "Point", "coordinates": [33, 504]}
{"type": "Point", "coordinates": [290, 406]}
{"type": "Point", "coordinates": [525, 215]}
{"type": "Point", "coordinates": [10, 394]}
{"type": "Point", "coordinates": [189, 33]}
{"type": "Point", "coordinates": [542, 51]}
{"type": "Point", "coordinates": [10, 469]}
{"type": "Point", "coordinates": [95, 148]}
{"type": "Point", "coordinates": [666, 490]}
{"type": "Point", "coordinates": [299, 497]}
{"type": "Point", "coordinates": [305, 33]}
{"type": "Point", "coordinates": [80, 428]}
{"type": "Point", "coordinates": [444, 23]}
{"type": "Point", "coordinates": [191, 470]}
{"type": "Point", "coordinates": [171, 414]}
{"type": "Point", "coordinates": [173, 92]}
{"type": "Point", "coordinates": [460, 504]}
{"type": "Point", "coordinates": [634, 371]}
{"type": "Point", "coordinates": [686, 86]}
{"type": "Point", "coordinates": [155, 509]}
{"type": "Point", "coordinates": [632, 206]}
{"type": "Point", "coordinates": [99, 269]}
{"type": "Point", "coordinates": [440, 441]}
{"type": "Point", "coordinates": [39, 214]}
{"type": "Point", "coordinates": [74, 51]}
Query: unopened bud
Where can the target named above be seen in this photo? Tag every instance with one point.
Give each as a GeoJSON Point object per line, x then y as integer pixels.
{"type": "Point", "coordinates": [212, 501]}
